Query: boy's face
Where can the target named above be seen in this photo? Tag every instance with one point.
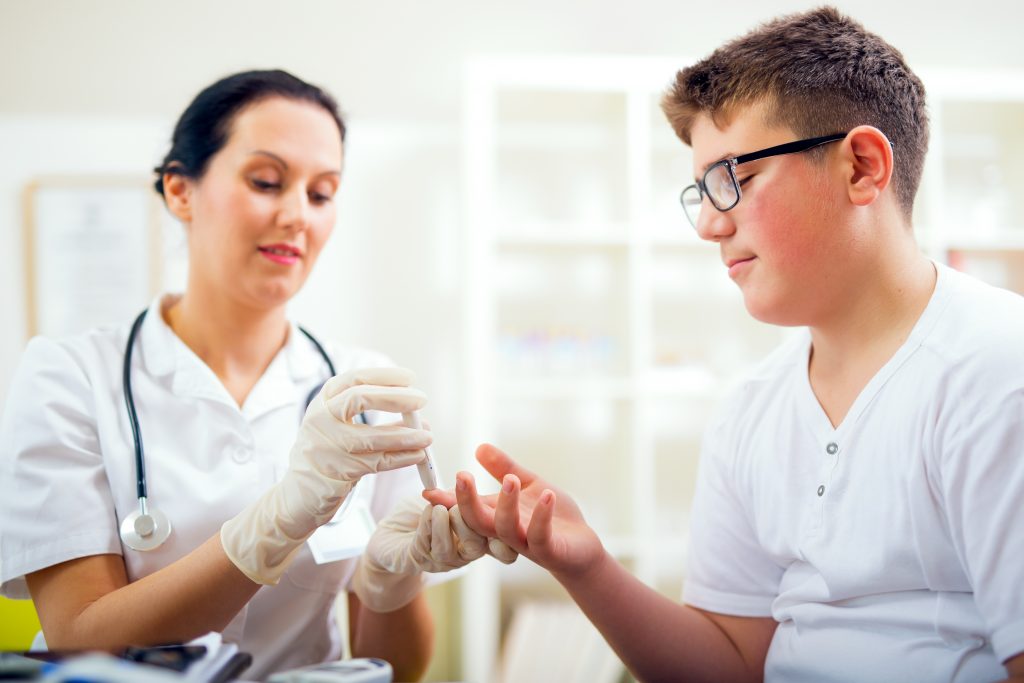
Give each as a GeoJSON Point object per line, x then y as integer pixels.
{"type": "Point", "coordinates": [783, 243]}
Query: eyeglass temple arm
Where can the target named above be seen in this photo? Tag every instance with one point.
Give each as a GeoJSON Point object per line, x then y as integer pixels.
{"type": "Point", "coordinates": [790, 147]}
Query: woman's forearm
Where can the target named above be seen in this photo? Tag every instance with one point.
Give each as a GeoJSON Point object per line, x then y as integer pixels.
{"type": "Point", "coordinates": [88, 603]}
{"type": "Point", "coordinates": [405, 637]}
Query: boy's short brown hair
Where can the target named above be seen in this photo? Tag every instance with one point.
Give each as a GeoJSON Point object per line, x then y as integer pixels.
{"type": "Point", "coordinates": [818, 73]}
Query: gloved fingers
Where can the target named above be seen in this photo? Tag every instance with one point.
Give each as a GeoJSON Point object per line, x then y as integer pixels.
{"type": "Point", "coordinates": [442, 549]}
{"type": "Point", "coordinates": [405, 517]}
{"type": "Point", "coordinates": [385, 462]}
{"type": "Point", "coordinates": [500, 551]}
{"type": "Point", "coordinates": [362, 397]}
{"type": "Point", "coordinates": [470, 544]}
{"type": "Point", "coordinates": [366, 439]}
{"type": "Point", "coordinates": [385, 377]}
{"type": "Point", "coordinates": [421, 540]}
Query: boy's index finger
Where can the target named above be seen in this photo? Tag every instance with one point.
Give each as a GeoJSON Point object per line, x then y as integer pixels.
{"type": "Point", "coordinates": [498, 464]}
{"type": "Point", "coordinates": [440, 497]}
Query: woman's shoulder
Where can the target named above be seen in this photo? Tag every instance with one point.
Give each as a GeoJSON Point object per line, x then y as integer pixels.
{"type": "Point", "coordinates": [83, 349]}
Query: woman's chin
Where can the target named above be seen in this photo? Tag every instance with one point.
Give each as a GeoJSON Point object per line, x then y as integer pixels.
{"type": "Point", "coordinates": [271, 295]}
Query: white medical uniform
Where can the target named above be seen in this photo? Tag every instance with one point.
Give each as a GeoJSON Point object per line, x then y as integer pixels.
{"type": "Point", "coordinates": [67, 470]}
{"type": "Point", "coordinates": [890, 548]}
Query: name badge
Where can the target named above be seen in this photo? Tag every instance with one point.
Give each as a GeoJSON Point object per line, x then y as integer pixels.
{"type": "Point", "coordinates": [348, 532]}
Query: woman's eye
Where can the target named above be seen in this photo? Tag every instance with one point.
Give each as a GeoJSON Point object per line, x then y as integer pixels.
{"type": "Point", "coordinates": [264, 185]}
{"type": "Point", "coordinates": [321, 193]}
{"type": "Point", "coordinates": [743, 181]}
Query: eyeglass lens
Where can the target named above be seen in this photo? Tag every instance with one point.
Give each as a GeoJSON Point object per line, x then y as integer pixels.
{"type": "Point", "coordinates": [720, 187]}
{"type": "Point", "coordinates": [691, 201]}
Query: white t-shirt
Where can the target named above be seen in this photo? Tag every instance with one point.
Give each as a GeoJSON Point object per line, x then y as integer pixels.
{"type": "Point", "coordinates": [890, 548]}
{"type": "Point", "coordinates": [67, 469]}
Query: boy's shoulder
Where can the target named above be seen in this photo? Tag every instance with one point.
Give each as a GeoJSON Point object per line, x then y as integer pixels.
{"type": "Point", "coordinates": [980, 325]}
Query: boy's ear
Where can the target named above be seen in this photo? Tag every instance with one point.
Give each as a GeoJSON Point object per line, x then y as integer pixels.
{"type": "Point", "coordinates": [178, 196]}
{"type": "Point", "coordinates": [870, 159]}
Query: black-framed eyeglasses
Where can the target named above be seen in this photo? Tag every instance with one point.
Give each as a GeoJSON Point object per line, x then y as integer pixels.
{"type": "Point", "coordinates": [720, 184]}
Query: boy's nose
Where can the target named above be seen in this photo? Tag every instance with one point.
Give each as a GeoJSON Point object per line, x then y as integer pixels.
{"type": "Point", "coordinates": [714, 225]}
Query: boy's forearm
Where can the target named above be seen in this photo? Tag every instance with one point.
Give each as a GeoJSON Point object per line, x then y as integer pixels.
{"type": "Point", "coordinates": [658, 639]}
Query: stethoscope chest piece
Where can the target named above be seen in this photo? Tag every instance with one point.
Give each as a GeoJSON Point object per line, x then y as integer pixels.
{"type": "Point", "coordinates": [145, 529]}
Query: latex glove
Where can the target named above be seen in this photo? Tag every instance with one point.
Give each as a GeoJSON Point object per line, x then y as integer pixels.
{"type": "Point", "coordinates": [413, 539]}
{"type": "Point", "coordinates": [329, 456]}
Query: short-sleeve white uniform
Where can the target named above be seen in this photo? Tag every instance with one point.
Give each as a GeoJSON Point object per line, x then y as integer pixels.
{"type": "Point", "coordinates": [67, 472]}
{"type": "Point", "coordinates": [890, 548]}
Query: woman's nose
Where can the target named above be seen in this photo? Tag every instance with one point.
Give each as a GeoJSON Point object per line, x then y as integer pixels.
{"type": "Point", "coordinates": [295, 210]}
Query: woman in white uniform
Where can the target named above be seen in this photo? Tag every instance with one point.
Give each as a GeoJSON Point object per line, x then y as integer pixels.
{"type": "Point", "coordinates": [236, 468]}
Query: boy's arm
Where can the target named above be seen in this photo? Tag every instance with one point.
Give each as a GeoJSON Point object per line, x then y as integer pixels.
{"type": "Point", "coordinates": [981, 479]}
{"type": "Point", "coordinates": [662, 640]}
{"type": "Point", "coordinates": [1015, 667]}
{"type": "Point", "coordinates": [657, 638]}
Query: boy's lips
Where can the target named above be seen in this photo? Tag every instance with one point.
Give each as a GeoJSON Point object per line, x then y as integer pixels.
{"type": "Point", "coordinates": [730, 262]}
{"type": "Point", "coordinates": [737, 265]}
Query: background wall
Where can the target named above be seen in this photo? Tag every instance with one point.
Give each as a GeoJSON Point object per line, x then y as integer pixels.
{"type": "Point", "coordinates": [94, 87]}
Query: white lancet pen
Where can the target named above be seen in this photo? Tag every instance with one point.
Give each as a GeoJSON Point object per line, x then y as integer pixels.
{"type": "Point", "coordinates": [428, 474]}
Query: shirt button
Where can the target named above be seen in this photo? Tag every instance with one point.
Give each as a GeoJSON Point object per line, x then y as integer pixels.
{"type": "Point", "coordinates": [821, 490]}
{"type": "Point", "coordinates": [241, 455]}
{"type": "Point", "coordinates": [832, 448]}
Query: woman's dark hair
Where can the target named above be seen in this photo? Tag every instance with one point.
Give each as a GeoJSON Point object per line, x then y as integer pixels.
{"type": "Point", "coordinates": [204, 126]}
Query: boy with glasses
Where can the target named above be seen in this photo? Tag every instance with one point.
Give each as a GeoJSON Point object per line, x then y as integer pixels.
{"type": "Point", "coordinates": [858, 510]}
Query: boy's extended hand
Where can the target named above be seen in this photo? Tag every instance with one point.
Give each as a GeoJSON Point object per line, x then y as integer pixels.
{"type": "Point", "coordinates": [529, 515]}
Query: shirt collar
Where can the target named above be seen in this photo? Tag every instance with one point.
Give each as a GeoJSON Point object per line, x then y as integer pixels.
{"type": "Point", "coordinates": [157, 339]}
{"type": "Point", "coordinates": [163, 354]}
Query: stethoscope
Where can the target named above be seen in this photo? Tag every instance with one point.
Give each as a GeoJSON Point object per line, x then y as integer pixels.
{"type": "Point", "coordinates": [147, 528]}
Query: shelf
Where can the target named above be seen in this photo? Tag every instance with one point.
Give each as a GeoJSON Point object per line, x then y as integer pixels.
{"type": "Point", "coordinates": [1003, 240]}
{"type": "Point", "coordinates": [565, 388]}
{"type": "Point", "coordinates": [564, 236]}
{"type": "Point", "coordinates": [683, 382]}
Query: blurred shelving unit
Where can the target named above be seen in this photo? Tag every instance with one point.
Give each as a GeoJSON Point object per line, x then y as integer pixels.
{"type": "Point", "coordinates": [600, 333]}
{"type": "Point", "coordinates": [584, 287]}
{"type": "Point", "coordinates": [968, 214]}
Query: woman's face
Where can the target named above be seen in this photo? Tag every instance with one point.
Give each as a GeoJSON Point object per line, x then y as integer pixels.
{"type": "Point", "coordinates": [262, 211]}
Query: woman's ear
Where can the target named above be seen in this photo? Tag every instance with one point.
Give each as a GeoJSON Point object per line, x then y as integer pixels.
{"type": "Point", "coordinates": [870, 159]}
{"type": "Point", "coordinates": [178, 195]}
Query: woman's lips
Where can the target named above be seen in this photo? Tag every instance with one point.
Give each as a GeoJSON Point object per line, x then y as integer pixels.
{"type": "Point", "coordinates": [284, 254]}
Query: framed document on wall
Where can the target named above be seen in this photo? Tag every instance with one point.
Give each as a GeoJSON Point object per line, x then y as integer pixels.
{"type": "Point", "coordinates": [92, 251]}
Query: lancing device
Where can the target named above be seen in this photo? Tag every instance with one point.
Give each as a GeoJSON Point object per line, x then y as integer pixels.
{"type": "Point", "coordinates": [428, 475]}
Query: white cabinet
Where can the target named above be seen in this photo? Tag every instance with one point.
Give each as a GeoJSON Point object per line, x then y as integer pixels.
{"type": "Point", "coordinates": [968, 211]}
{"type": "Point", "coordinates": [601, 333]}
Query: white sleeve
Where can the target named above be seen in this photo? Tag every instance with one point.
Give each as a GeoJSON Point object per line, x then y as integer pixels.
{"type": "Point", "coordinates": [728, 571]}
{"type": "Point", "coordinates": [982, 475]}
{"type": "Point", "coordinates": [55, 502]}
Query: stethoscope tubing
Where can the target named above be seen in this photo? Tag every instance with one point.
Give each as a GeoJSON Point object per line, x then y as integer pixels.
{"type": "Point", "coordinates": [147, 528]}
{"type": "Point", "coordinates": [129, 401]}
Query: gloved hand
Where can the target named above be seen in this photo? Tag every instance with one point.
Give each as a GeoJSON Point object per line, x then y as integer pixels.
{"type": "Point", "coordinates": [413, 539]}
{"type": "Point", "coordinates": [329, 456]}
